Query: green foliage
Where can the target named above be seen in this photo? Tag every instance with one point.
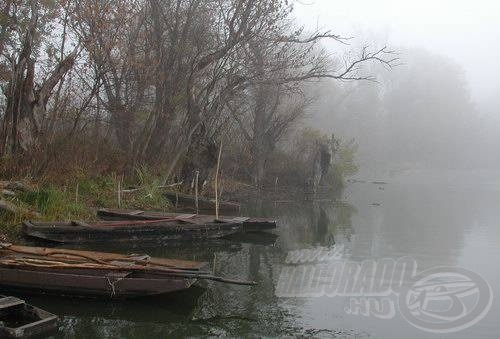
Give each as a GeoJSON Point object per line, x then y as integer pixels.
{"type": "Point", "coordinates": [100, 191]}
{"type": "Point", "coordinates": [294, 165]}
{"type": "Point", "coordinates": [54, 203]}
{"type": "Point", "coordinates": [103, 191]}
{"type": "Point", "coordinates": [79, 199]}
{"type": "Point", "coordinates": [305, 141]}
{"type": "Point", "coordinates": [346, 163]}
{"type": "Point", "coordinates": [150, 194]}
{"type": "Point", "coordinates": [50, 202]}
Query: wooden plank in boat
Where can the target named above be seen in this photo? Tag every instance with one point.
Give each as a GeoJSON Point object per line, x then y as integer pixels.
{"type": "Point", "coordinates": [80, 223]}
{"type": "Point", "coordinates": [30, 321]}
{"type": "Point", "coordinates": [118, 275]}
{"type": "Point", "coordinates": [239, 219]}
{"type": "Point", "coordinates": [94, 256]}
{"type": "Point", "coordinates": [186, 218]}
{"type": "Point", "coordinates": [7, 302]}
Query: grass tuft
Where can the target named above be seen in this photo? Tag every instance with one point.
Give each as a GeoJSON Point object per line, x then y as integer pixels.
{"type": "Point", "coordinates": [79, 199]}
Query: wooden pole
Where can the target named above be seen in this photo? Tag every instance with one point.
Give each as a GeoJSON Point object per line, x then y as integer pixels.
{"type": "Point", "coordinates": [119, 193]}
{"type": "Point", "coordinates": [217, 183]}
{"type": "Point", "coordinates": [76, 192]}
{"type": "Point", "coordinates": [196, 191]}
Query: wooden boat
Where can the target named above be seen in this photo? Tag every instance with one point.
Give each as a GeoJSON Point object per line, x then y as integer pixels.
{"type": "Point", "coordinates": [180, 227]}
{"type": "Point", "coordinates": [186, 202]}
{"type": "Point", "coordinates": [249, 224]}
{"type": "Point", "coordinates": [96, 274]}
{"type": "Point", "coordinates": [21, 320]}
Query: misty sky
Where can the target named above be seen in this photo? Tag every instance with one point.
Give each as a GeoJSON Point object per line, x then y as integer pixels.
{"type": "Point", "coordinates": [467, 31]}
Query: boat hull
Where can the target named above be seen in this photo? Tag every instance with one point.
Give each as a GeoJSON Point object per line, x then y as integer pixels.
{"type": "Point", "coordinates": [249, 224]}
{"type": "Point", "coordinates": [86, 283]}
{"type": "Point", "coordinates": [68, 233]}
{"type": "Point", "coordinates": [23, 320]}
{"type": "Point", "coordinates": [96, 274]}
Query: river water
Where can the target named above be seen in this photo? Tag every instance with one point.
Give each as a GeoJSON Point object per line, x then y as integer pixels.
{"type": "Point", "coordinates": [451, 219]}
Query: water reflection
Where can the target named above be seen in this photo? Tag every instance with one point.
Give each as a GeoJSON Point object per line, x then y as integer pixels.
{"type": "Point", "coordinates": [315, 224]}
{"type": "Point", "coordinates": [213, 308]}
{"type": "Point", "coordinates": [442, 221]}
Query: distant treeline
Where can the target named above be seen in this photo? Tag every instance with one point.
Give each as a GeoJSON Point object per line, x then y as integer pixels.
{"type": "Point", "coordinates": [420, 115]}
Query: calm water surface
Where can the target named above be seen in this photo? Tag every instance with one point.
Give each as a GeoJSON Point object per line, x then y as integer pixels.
{"type": "Point", "coordinates": [445, 220]}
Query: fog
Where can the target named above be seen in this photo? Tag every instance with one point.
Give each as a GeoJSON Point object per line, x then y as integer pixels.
{"type": "Point", "coordinates": [439, 107]}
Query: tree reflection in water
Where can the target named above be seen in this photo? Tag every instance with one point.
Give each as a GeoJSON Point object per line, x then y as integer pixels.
{"type": "Point", "coordinates": [213, 308]}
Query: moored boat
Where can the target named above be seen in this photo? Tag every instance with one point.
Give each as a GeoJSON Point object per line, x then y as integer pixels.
{"type": "Point", "coordinates": [186, 202]}
{"type": "Point", "coordinates": [249, 224]}
{"type": "Point", "coordinates": [96, 274]}
{"type": "Point", "coordinates": [21, 320]}
{"type": "Point", "coordinates": [180, 227]}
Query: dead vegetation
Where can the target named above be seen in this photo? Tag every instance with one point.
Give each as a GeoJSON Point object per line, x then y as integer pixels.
{"type": "Point", "coordinates": [108, 86]}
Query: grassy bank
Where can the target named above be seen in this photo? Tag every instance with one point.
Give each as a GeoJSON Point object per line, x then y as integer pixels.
{"type": "Point", "coordinates": [78, 199]}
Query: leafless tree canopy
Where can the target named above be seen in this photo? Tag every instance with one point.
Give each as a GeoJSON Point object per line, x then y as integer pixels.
{"type": "Point", "coordinates": [159, 82]}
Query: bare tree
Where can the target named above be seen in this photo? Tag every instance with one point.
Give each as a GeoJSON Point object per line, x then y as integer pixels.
{"type": "Point", "coordinates": [166, 80]}
{"type": "Point", "coordinates": [278, 67]}
{"type": "Point", "coordinates": [26, 100]}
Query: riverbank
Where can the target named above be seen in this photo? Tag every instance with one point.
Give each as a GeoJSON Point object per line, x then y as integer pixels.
{"type": "Point", "coordinates": [80, 198]}
{"type": "Point", "coordinates": [74, 200]}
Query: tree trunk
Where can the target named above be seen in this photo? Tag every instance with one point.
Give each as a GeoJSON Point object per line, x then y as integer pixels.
{"type": "Point", "coordinates": [163, 112]}
{"type": "Point", "coordinates": [26, 107]}
{"type": "Point", "coordinates": [259, 149]}
{"type": "Point", "coordinates": [121, 120]}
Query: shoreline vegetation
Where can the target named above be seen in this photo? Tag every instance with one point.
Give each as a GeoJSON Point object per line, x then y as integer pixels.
{"type": "Point", "coordinates": [48, 202]}
{"type": "Point", "coordinates": [100, 98]}
{"type": "Point", "coordinates": [75, 199]}
{"type": "Point", "coordinates": [78, 197]}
